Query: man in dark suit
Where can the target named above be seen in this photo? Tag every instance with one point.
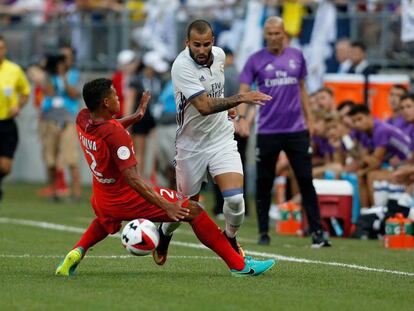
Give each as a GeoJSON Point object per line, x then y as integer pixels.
{"type": "Point", "coordinates": [360, 64]}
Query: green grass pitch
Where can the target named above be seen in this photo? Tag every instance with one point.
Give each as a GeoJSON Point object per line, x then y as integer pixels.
{"type": "Point", "coordinates": [193, 278]}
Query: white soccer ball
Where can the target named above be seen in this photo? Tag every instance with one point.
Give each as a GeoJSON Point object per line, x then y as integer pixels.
{"type": "Point", "coordinates": [140, 237]}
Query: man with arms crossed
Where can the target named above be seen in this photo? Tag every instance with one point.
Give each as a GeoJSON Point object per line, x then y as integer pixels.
{"type": "Point", "coordinates": [283, 124]}
{"type": "Point", "coordinates": [205, 136]}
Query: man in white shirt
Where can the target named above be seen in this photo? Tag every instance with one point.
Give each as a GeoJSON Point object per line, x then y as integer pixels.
{"type": "Point", "coordinates": [205, 135]}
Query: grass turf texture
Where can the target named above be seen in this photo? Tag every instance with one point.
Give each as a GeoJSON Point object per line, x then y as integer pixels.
{"type": "Point", "coordinates": [185, 283]}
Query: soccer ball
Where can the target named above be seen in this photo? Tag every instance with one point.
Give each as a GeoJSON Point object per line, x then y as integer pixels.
{"type": "Point", "coordinates": [140, 237]}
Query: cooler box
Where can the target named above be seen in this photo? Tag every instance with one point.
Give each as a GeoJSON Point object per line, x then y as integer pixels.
{"type": "Point", "coordinates": [335, 200]}
{"type": "Point", "coordinates": [351, 87]}
{"type": "Point", "coordinates": [379, 89]}
{"type": "Point", "coordinates": [345, 86]}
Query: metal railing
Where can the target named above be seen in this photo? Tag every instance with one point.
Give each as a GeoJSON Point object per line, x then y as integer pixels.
{"type": "Point", "coordinates": [100, 39]}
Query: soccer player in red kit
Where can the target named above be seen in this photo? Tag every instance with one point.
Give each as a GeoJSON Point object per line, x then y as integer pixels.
{"type": "Point", "coordinates": [119, 193]}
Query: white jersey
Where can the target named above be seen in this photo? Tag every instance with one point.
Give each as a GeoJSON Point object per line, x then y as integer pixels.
{"type": "Point", "coordinates": [196, 132]}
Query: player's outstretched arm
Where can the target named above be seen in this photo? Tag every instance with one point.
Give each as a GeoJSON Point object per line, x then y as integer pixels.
{"type": "Point", "coordinates": [139, 113]}
{"type": "Point", "coordinates": [209, 105]}
{"type": "Point", "coordinates": [246, 114]}
{"type": "Point", "coordinates": [174, 209]}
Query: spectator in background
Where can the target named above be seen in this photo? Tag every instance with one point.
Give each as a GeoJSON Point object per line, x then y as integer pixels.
{"type": "Point", "coordinates": [342, 55]}
{"type": "Point", "coordinates": [166, 131]}
{"type": "Point", "coordinates": [325, 100]}
{"type": "Point", "coordinates": [312, 101]}
{"type": "Point", "coordinates": [360, 64]}
{"type": "Point", "coordinates": [382, 144]}
{"type": "Point", "coordinates": [14, 92]}
{"type": "Point", "coordinates": [128, 64]}
{"type": "Point", "coordinates": [61, 188]}
{"type": "Point", "coordinates": [397, 91]}
{"type": "Point", "coordinates": [343, 109]}
{"type": "Point", "coordinates": [321, 150]}
{"type": "Point", "coordinates": [323, 153]}
{"type": "Point", "coordinates": [57, 128]}
{"type": "Point", "coordinates": [405, 174]}
{"type": "Point", "coordinates": [148, 79]}
{"type": "Point", "coordinates": [338, 137]}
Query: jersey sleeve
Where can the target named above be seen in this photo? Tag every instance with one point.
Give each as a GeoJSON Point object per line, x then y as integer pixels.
{"type": "Point", "coordinates": [381, 138]}
{"type": "Point", "coordinates": [186, 81]}
{"type": "Point", "coordinates": [248, 76]}
{"type": "Point", "coordinates": [120, 146]}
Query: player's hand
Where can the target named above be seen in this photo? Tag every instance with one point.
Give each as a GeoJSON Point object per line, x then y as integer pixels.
{"type": "Point", "coordinates": [232, 113]}
{"type": "Point", "coordinates": [14, 111]}
{"type": "Point", "coordinates": [255, 98]}
{"type": "Point", "coordinates": [404, 175]}
{"type": "Point", "coordinates": [142, 107]}
{"type": "Point", "coordinates": [176, 211]}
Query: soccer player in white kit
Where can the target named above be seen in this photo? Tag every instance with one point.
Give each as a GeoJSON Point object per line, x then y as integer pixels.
{"type": "Point", "coordinates": [205, 135]}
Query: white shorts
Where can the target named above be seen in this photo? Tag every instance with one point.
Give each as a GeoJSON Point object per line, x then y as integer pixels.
{"type": "Point", "coordinates": [191, 168]}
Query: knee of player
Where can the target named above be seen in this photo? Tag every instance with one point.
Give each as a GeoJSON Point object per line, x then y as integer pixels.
{"type": "Point", "coordinates": [235, 202]}
{"type": "Point", "coordinates": [5, 168]}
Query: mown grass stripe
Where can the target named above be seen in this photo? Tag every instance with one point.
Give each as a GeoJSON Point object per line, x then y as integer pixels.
{"type": "Point", "coordinates": [59, 227]}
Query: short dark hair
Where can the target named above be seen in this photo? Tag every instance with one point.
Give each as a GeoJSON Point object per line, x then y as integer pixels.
{"type": "Point", "coordinates": [359, 44]}
{"type": "Point", "coordinates": [94, 91]}
{"type": "Point", "coordinates": [52, 62]}
{"type": "Point", "coordinates": [344, 104]}
{"type": "Point", "coordinates": [201, 26]}
{"type": "Point", "coordinates": [408, 96]}
{"type": "Point", "coordinates": [359, 109]}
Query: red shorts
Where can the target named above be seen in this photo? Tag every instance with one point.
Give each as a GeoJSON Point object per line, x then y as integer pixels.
{"type": "Point", "coordinates": [111, 219]}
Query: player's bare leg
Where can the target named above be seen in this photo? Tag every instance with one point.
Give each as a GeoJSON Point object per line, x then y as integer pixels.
{"type": "Point", "coordinates": [231, 186]}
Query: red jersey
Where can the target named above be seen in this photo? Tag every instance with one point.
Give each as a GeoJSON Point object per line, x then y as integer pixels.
{"type": "Point", "coordinates": [108, 149]}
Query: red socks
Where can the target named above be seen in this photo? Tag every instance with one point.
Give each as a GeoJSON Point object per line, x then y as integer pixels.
{"type": "Point", "coordinates": [92, 235]}
{"type": "Point", "coordinates": [211, 236]}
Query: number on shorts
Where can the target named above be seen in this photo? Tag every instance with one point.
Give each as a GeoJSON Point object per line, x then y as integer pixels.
{"type": "Point", "coordinates": [170, 193]}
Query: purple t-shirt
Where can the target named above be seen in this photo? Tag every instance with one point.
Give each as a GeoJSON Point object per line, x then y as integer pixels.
{"type": "Point", "coordinates": [322, 146]}
{"type": "Point", "coordinates": [409, 131]}
{"type": "Point", "coordinates": [398, 122]}
{"type": "Point", "coordinates": [278, 76]}
{"type": "Point", "coordinates": [389, 137]}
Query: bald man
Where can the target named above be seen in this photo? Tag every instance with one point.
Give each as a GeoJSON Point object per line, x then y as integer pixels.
{"type": "Point", "coordinates": [283, 125]}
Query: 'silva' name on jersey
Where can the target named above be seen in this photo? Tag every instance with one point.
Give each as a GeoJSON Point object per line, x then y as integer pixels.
{"type": "Point", "coordinates": [89, 144]}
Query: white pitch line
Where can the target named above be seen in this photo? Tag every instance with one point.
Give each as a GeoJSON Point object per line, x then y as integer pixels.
{"type": "Point", "coordinates": [52, 226]}
{"type": "Point", "coordinates": [101, 256]}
